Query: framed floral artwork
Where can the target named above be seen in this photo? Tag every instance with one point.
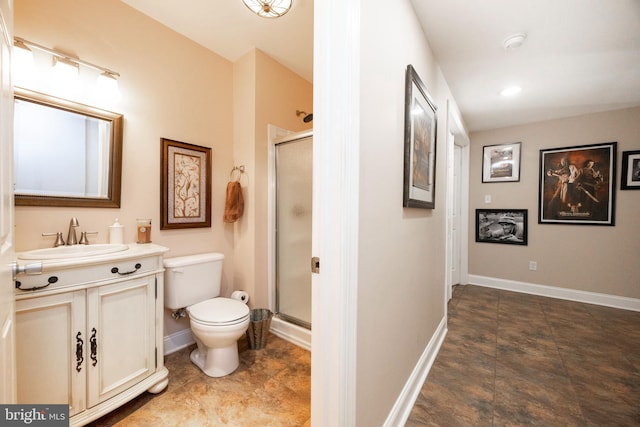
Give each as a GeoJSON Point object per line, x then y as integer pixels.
{"type": "Point", "coordinates": [185, 185]}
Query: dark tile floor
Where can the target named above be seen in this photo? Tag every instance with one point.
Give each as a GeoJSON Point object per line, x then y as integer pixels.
{"type": "Point", "coordinates": [509, 359]}
{"type": "Point", "coordinates": [512, 359]}
{"type": "Point", "coordinates": [271, 387]}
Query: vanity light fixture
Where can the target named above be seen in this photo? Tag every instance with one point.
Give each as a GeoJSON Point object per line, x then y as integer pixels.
{"type": "Point", "coordinates": [268, 8]}
{"type": "Point", "coordinates": [107, 87]}
{"type": "Point", "coordinates": [62, 60]}
{"type": "Point", "coordinates": [66, 74]}
{"type": "Point", "coordinates": [66, 66]}
{"type": "Point", "coordinates": [23, 63]}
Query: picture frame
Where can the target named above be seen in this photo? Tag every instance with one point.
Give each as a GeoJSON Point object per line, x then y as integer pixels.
{"type": "Point", "coordinates": [505, 226]}
{"type": "Point", "coordinates": [185, 185]}
{"type": "Point", "coordinates": [630, 177]}
{"type": "Point", "coordinates": [420, 127]}
{"type": "Point", "coordinates": [577, 185]}
{"type": "Point", "coordinates": [501, 162]}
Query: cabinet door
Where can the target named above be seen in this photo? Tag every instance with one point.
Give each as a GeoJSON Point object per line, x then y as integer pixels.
{"type": "Point", "coordinates": [52, 350]}
{"type": "Point", "coordinates": [120, 326]}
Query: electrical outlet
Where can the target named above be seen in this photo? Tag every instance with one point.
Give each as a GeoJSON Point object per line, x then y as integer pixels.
{"type": "Point", "coordinates": [533, 266]}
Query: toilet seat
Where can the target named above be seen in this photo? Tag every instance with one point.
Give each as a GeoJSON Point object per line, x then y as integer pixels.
{"type": "Point", "coordinates": [219, 312]}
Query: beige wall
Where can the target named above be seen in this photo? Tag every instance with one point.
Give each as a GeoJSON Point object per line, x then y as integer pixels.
{"type": "Point", "coordinates": [588, 258]}
{"type": "Point", "coordinates": [265, 92]}
{"type": "Point", "coordinates": [401, 265]}
{"type": "Point", "coordinates": [171, 88]}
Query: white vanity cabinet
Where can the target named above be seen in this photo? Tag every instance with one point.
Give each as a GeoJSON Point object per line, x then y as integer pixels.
{"type": "Point", "coordinates": [92, 338]}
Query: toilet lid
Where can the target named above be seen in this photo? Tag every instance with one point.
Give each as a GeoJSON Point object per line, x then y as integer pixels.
{"type": "Point", "coordinates": [218, 310]}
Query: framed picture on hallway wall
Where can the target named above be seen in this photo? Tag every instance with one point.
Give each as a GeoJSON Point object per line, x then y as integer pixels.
{"type": "Point", "coordinates": [507, 226]}
{"type": "Point", "coordinates": [630, 178]}
{"type": "Point", "coordinates": [577, 185]}
{"type": "Point", "coordinates": [185, 191]}
{"type": "Point", "coordinates": [501, 163]}
{"type": "Point", "coordinates": [420, 122]}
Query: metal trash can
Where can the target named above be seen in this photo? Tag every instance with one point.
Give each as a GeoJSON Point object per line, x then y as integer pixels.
{"type": "Point", "coordinates": [259, 324]}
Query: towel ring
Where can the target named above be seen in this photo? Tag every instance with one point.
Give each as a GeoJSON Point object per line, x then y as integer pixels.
{"type": "Point", "coordinates": [240, 170]}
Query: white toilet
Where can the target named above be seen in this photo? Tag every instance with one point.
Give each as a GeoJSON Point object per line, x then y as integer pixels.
{"type": "Point", "coordinates": [193, 282]}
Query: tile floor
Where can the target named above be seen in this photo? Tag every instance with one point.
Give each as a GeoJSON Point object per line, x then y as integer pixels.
{"type": "Point", "coordinates": [272, 387]}
{"type": "Point", "coordinates": [512, 359]}
{"type": "Point", "coordinates": [509, 359]}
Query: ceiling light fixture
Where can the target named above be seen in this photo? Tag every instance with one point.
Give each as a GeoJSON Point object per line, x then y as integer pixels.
{"type": "Point", "coordinates": [510, 91]}
{"type": "Point", "coordinates": [268, 8]}
{"type": "Point", "coordinates": [514, 41]}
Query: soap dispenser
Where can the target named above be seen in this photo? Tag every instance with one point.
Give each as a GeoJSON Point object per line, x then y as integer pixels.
{"type": "Point", "coordinates": [116, 233]}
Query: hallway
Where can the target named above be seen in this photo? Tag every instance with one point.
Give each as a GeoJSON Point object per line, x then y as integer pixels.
{"type": "Point", "coordinates": [521, 360]}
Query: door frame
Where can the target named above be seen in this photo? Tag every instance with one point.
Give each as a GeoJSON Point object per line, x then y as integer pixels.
{"type": "Point", "coordinates": [457, 137]}
{"type": "Point", "coordinates": [8, 388]}
{"type": "Point", "coordinates": [293, 333]}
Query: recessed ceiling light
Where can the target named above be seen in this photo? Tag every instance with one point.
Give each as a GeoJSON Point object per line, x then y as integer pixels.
{"type": "Point", "coordinates": [514, 41]}
{"type": "Point", "coordinates": [510, 91]}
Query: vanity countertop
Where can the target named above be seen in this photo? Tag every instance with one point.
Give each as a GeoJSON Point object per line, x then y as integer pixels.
{"type": "Point", "coordinates": [135, 250]}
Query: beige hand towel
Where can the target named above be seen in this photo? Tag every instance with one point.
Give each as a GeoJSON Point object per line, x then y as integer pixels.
{"type": "Point", "coordinates": [234, 204]}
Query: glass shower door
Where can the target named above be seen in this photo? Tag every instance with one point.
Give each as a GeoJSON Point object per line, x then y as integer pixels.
{"type": "Point", "coordinates": [294, 162]}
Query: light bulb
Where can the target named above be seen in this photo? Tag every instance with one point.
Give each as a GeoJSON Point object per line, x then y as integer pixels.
{"type": "Point", "coordinates": [24, 67]}
{"type": "Point", "coordinates": [107, 87]}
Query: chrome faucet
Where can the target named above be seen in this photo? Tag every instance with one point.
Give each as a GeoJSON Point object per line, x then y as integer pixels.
{"type": "Point", "coordinates": [72, 239]}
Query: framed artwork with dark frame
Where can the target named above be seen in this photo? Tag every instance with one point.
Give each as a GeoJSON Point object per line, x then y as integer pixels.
{"type": "Point", "coordinates": [577, 185]}
{"type": "Point", "coordinates": [508, 226]}
{"type": "Point", "coordinates": [630, 177]}
{"type": "Point", "coordinates": [420, 122]}
{"type": "Point", "coordinates": [501, 163]}
{"type": "Point", "coordinates": [185, 185]}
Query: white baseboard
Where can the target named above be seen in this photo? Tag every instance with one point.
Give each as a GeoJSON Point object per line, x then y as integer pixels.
{"type": "Point", "coordinates": [404, 404]}
{"type": "Point", "coordinates": [615, 301]}
{"type": "Point", "coordinates": [295, 334]}
{"type": "Point", "coordinates": [178, 341]}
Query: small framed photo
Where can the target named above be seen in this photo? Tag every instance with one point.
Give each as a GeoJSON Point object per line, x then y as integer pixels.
{"type": "Point", "coordinates": [501, 163]}
{"type": "Point", "coordinates": [630, 178]}
{"type": "Point", "coordinates": [185, 191]}
{"type": "Point", "coordinates": [508, 226]}
{"type": "Point", "coordinates": [577, 185]}
{"type": "Point", "coordinates": [420, 122]}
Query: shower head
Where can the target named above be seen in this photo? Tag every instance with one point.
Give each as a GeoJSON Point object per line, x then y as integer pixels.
{"type": "Point", "coordinates": [307, 117]}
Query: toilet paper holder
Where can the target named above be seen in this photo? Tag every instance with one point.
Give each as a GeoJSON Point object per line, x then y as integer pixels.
{"type": "Point", "coordinates": [240, 296]}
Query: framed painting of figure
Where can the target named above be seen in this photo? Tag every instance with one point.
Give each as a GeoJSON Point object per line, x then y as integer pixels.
{"type": "Point", "coordinates": [577, 185]}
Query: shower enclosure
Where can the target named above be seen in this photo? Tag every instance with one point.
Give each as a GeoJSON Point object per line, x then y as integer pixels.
{"type": "Point", "coordinates": [293, 191]}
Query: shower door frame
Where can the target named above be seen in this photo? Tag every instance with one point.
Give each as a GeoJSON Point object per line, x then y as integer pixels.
{"type": "Point", "coordinates": [281, 326]}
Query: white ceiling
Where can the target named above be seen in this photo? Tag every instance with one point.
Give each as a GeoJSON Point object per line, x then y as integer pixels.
{"type": "Point", "coordinates": [580, 56]}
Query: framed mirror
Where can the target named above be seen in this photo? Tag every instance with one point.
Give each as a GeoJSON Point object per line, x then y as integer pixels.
{"type": "Point", "coordinates": [65, 153]}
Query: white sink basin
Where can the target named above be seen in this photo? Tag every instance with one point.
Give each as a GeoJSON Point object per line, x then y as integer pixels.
{"type": "Point", "coordinates": [74, 251]}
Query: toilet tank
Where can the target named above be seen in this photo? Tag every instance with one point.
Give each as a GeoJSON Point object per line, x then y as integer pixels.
{"type": "Point", "coordinates": [192, 279]}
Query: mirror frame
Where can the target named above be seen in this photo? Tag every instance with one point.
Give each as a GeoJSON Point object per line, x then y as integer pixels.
{"type": "Point", "coordinates": [115, 148]}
